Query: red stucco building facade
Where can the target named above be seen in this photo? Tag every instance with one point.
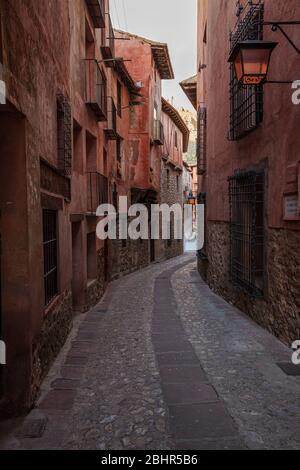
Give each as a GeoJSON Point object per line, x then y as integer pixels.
{"type": "Point", "coordinates": [248, 164]}
{"type": "Point", "coordinates": [78, 129]}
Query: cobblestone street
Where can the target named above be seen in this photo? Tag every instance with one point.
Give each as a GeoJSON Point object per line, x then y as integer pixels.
{"type": "Point", "coordinates": [163, 363]}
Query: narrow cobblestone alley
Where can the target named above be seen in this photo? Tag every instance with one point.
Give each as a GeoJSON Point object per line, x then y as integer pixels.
{"type": "Point", "coordinates": [163, 363]}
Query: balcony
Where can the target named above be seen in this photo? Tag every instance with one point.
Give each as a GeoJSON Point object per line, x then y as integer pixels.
{"type": "Point", "coordinates": [97, 11]}
{"type": "Point", "coordinates": [111, 129]}
{"type": "Point", "coordinates": [108, 43]}
{"type": "Point", "coordinates": [96, 97]}
{"type": "Point", "coordinates": [97, 191]}
{"type": "Point", "coordinates": [158, 132]}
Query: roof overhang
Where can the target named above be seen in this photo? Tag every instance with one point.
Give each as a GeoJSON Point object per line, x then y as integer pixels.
{"type": "Point", "coordinates": [172, 112]}
{"type": "Point", "coordinates": [122, 71]}
{"type": "Point", "coordinates": [189, 87]}
{"type": "Point", "coordinates": [162, 60]}
{"type": "Point", "coordinates": [160, 54]}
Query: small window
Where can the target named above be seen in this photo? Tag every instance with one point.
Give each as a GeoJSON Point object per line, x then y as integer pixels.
{"type": "Point", "coordinates": [91, 152]}
{"type": "Point", "coordinates": [50, 255]}
{"type": "Point", "coordinates": [201, 199]}
{"type": "Point", "coordinates": [104, 161]}
{"type": "Point", "coordinates": [115, 198]}
{"type": "Point", "coordinates": [177, 183]}
{"type": "Point", "coordinates": [205, 34]}
{"type": "Point", "coordinates": [77, 148]}
{"type": "Point", "coordinates": [246, 193]}
{"type": "Point", "coordinates": [168, 179]}
{"type": "Point", "coordinates": [119, 149]}
{"type": "Point", "coordinates": [176, 139]}
{"type": "Point", "coordinates": [119, 92]}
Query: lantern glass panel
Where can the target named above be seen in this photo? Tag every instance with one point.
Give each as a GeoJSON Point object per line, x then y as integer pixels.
{"type": "Point", "coordinates": [239, 67]}
{"type": "Point", "coordinates": [256, 61]}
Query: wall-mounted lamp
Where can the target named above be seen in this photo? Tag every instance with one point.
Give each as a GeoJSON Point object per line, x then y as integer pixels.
{"type": "Point", "coordinates": [192, 200]}
{"type": "Point", "coordinates": [251, 59]}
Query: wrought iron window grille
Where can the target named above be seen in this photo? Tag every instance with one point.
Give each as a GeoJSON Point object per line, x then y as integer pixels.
{"type": "Point", "coordinates": [246, 102]}
{"type": "Point", "coordinates": [64, 135]}
{"type": "Point", "coordinates": [97, 187]}
{"type": "Point", "coordinates": [246, 197]}
{"type": "Point", "coordinates": [202, 254]}
{"type": "Point", "coordinates": [202, 140]}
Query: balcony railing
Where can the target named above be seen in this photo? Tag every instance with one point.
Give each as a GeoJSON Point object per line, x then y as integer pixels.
{"type": "Point", "coordinates": [111, 130]}
{"type": "Point", "coordinates": [96, 96]}
{"type": "Point", "coordinates": [158, 132]}
{"type": "Point", "coordinates": [108, 42]}
{"type": "Point", "coordinates": [202, 140]}
{"type": "Point", "coordinates": [97, 11]}
{"type": "Point", "coordinates": [97, 191]}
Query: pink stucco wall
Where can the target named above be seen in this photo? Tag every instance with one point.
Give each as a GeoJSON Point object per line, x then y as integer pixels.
{"type": "Point", "coordinates": [174, 152]}
{"type": "Point", "coordinates": [277, 141]}
{"type": "Point", "coordinates": [142, 155]}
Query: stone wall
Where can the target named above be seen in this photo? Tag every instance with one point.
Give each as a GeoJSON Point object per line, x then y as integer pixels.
{"type": "Point", "coordinates": [279, 310]}
{"type": "Point", "coordinates": [129, 256]}
{"type": "Point", "coordinates": [171, 193]}
{"type": "Point", "coordinates": [96, 289]}
{"type": "Point", "coordinates": [56, 326]}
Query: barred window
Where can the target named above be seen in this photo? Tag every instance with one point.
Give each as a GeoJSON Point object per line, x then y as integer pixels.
{"type": "Point", "coordinates": [202, 140]}
{"type": "Point", "coordinates": [64, 135]}
{"type": "Point", "coordinates": [50, 255]}
{"type": "Point", "coordinates": [202, 199]}
{"type": "Point", "coordinates": [246, 102]}
{"type": "Point", "coordinates": [246, 193]}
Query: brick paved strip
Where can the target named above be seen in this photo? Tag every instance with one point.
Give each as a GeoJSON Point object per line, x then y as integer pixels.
{"type": "Point", "coordinates": [198, 419]}
{"type": "Point", "coordinates": [58, 400]}
{"type": "Point", "coordinates": [177, 358]}
{"type": "Point", "coordinates": [189, 393]}
{"type": "Point", "coordinates": [65, 384]}
{"type": "Point", "coordinates": [183, 374]}
{"type": "Point", "coordinates": [226, 443]}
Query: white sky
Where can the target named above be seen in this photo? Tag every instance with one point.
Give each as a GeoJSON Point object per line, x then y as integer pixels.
{"type": "Point", "coordinates": [170, 21]}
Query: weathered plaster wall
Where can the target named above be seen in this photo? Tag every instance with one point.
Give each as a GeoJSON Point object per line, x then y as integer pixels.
{"type": "Point", "coordinates": [276, 143]}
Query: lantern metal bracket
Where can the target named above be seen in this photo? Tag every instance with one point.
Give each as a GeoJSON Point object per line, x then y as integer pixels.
{"type": "Point", "coordinates": [278, 25]}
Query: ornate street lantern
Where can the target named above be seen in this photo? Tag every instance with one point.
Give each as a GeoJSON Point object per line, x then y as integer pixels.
{"type": "Point", "coordinates": [251, 61]}
{"type": "Point", "coordinates": [192, 201]}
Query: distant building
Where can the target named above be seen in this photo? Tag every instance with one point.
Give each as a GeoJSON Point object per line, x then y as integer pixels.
{"type": "Point", "coordinates": [190, 157]}
{"type": "Point", "coordinates": [148, 64]}
{"type": "Point", "coordinates": [176, 141]}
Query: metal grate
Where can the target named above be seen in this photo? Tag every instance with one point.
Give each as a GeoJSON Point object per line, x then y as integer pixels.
{"type": "Point", "coordinates": [111, 129]}
{"type": "Point", "coordinates": [97, 191]}
{"type": "Point", "coordinates": [97, 12]}
{"type": "Point", "coordinates": [202, 199]}
{"type": "Point", "coordinates": [202, 140]}
{"type": "Point", "coordinates": [64, 135]}
{"type": "Point", "coordinates": [50, 255]}
{"type": "Point", "coordinates": [246, 102]}
{"type": "Point", "coordinates": [158, 132]}
{"type": "Point", "coordinates": [246, 195]}
{"type": "Point", "coordinates": [96, 89]}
